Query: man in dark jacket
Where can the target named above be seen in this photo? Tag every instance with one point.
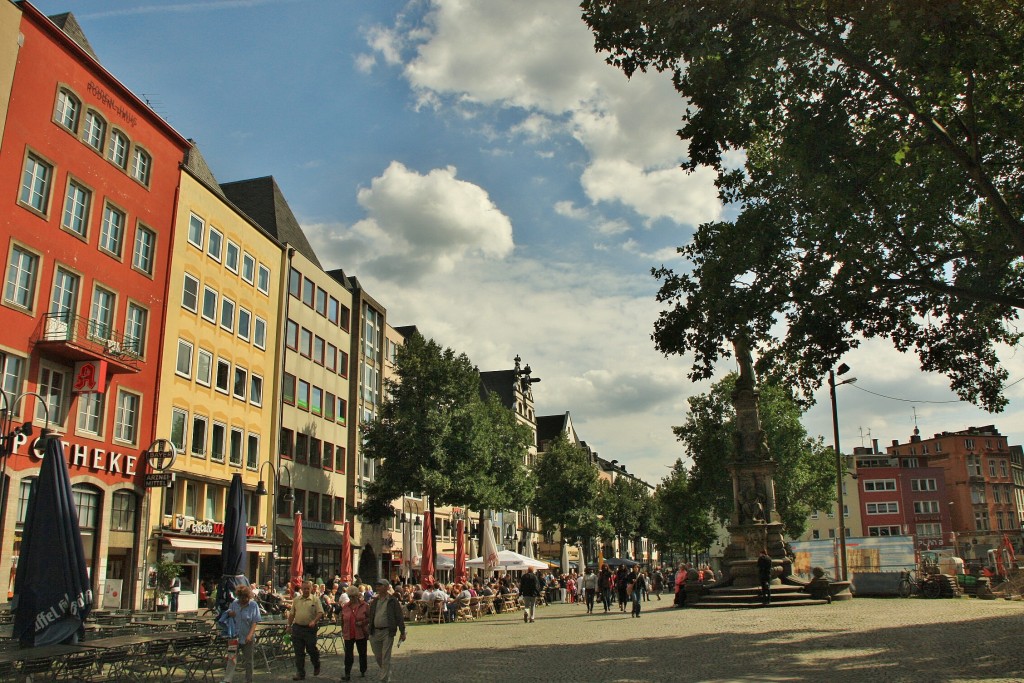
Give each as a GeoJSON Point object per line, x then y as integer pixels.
{"type": "Point", "coordinates": [529, 589]}
{"type": "Point", "coordinates": [386, 619]}
{"type": "Point", "coordinates": [764, 575]}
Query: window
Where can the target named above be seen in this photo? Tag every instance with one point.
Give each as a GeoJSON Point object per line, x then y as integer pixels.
{"type": "Point", "coordinates": [259, 333]}
{"type": "Point", "coordinates": [236, 447]}
{"type": "Point", "coordinates": [64, 298]}
{"type": "Point", "coordinates": [94, 133]}
{"type": "Point", "coordinates": [199, 427]}
{"type": "Point", "coordinates": [339, 510]}
{"type": "Point", "coordinates": [191, 493]}
{"type": "Point", "coordinates": [196, 227]}
{"type": "Point", "coordinates": [315, 450]}
{"type": "Point", "coordinates": [142, 165]}
{"type": "Point", "coordinates": [345, 315]}
{"type": "Point", "coordinates": [101, 313]}
{"type": "Point", "coordinates": [302, 400]}
{"type": "Point", "coordinates": [209, 304]}
{"type": "Point", "coordinates": [204, 367]}
{"type": "Point", "coordinates": [24, 493]}
{"type": "Point", "coordinates": [1002, 468]}
{"type": "Point", "coordinates": [318, 350]}
{"type": "Point", "coordinates": [135, 328]}
{"type": "Point", "coordinates": [244, 323]}
{"type": "Point", "coordinates": [190, 293]}
{"type": "Point", "coordinates": [35, 184]}
{"type": "Point", "coordinates": [978, 495]}
{"type": "Point", "coordinates": [11, 369]}
{"type": "Point", "coordinates": [179, 418]}
{"type": "Point", "coordinates": [922, 485]}
{"type": "Point", "coordinates": [112, 230]}
{"type": "Point", "coordinates": [305, 342]}
{"type": "Point", "coordinates": [815, 534]}
{"type": "Point", "coordinates": [252, 451]}
{"type": "Point", "coordinates": [326, 507]}
{"type": "Point", "coordinates": [288, 389]}
{"type": "Point", "coordinates": [339, 458]}
{"type": "Point", "coordinates": [301, 448]}
{"type": "Point", "coordinates": [332, 310]}
{"type": "Point", "coordinates": [329, 406]}
{"type": "Point", "coordinates": [313, 506]}
{"type": "Point", "coordinates": [342, 363]}
{"type": "Point", "coordinates": [973, 465]}
{"type": "Point", "coordinates": [122, 511]}
{"type": "Point", "coordinates": [20, 289]}
{"type": "Point", "coordinates": [223, 375]}
{"type": "Point", "coordinates": [308, 290]}
{"type": "Point", "coordinates": [328, 455]}
{"type": "Point", "coordinates": [969, 444]}
{"type": "Point", "coordinates": [331, 357]}
{"type": "Point", "coordinates": [910, 463]}
{"type": "Point", "coordinates": [248, 267]}
{"type": "Point", "coordinates": [880, 485]}
{"type": "Point", "coordinates": [263, 279]}
{"type": "Point", "coordinates": [183, 365]}
{"type": "Point", "coordinates": [126, 418]}
{"type": "Point", "coordinates": [929, 529]}
{"type": "Point", "coordinates": [294, 282]}
{"type": "Point", "coordinates": [882, 508]}
{"type": "Point", "coordinates": [215, 244]}
{"type": "Point", "coordinates": [68, 110]}
{"type": "Point", "coordinates": [76, 208]}
{"type": "Point", "coordinates": [142, 253]}
{"type": "Point", "coordinates": [117, 150]}
{"type": "Point", "coordinates": [218, 433]}
{"type": "Point", "coordinates": [321, 302]}
{"type": "Point", "coordinates": [893, 530]}
{"type": "Point", "coordinates": [227, 314]}
{"type": "Point", "coordinates": [86, 504]}
{"type": "Point", "coordinates": [255, 390]}
{"type": "Point", "coordinates": [981, 522]}
{"type": "Point", "coordinates": [292, 335]}
{"type": "Point", "coordinates": [231, 257]}
{"type": "Point", "coordinates": [926, 507]}
{"type": "Point", "coordinates": [991, 467]}
{"type": "Point", "coordinates": [287, 438]}
{"type": "Point", "coordinates": [241, 382]}
{"type": "Point", "coordinates": [316, 401]}
{"type": "Point", "coordinates": [90, 412]}
{"type": "Point", "coordinates": [342, 411]}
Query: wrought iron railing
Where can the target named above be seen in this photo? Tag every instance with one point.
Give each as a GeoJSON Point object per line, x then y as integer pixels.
{"type": "Point", "coordinates": [92, 334]}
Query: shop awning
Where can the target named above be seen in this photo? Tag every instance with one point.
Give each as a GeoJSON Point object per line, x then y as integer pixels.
{"type": "Point", "coordinates": [213, 544]}
{"type": "Point", "coordinates": [317, 537]}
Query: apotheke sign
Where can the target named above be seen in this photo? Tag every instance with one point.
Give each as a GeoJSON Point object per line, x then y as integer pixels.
{"type": "Point", "coordinates": [80, 455]}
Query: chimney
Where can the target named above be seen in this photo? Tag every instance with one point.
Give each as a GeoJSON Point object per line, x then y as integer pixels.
{"type": "Point", "coordinates": [895, 442]}
{"type": "Point", "coordinates": [874, 446]}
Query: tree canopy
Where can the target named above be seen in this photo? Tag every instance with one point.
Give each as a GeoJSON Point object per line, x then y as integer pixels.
{"type": "Point", "coordinates": [682, 523]}
{"type": "Point", "coordinates": [435, 435]}
{"type": "Point", "coordinates": [805, 475]}
{"type": "Point", "coordinates": [567, 490]}
{"type": "Point", "coordinates": [874, 153]}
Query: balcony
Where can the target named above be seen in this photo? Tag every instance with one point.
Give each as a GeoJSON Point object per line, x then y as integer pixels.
{"type": "Point", "coordinates": [76, 338]}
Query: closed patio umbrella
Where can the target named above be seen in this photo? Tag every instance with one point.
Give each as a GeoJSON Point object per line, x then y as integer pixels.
{"type": "Point", "coordinates": [489, 556]}
{"type": "Point", "coordinates": [297, 570]}
{"type": "Point", "coordinates": [460, 552]}
{"type": "Point", "coordinates": [52, 593]}
{"type": "Point", "coordinates": [346, 554]}
{"type": "Point", "coordinates": [565, 558]}
{"type": "Point", "coordinates": [233, 552]}
{"type": "Point", "coordinates": [427, 563]}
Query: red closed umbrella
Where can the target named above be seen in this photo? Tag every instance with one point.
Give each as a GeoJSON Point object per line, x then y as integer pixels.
{"type": "Point", "coordinates": [297, 570]}
{"type": "Point", "coordinates": [346, 555]}
{"type": "Point", "coordinates": [460, 552]}
{"type": "Point", "coordinates": [427, 562]}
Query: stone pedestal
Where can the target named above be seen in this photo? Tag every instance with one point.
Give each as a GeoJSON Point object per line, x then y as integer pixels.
{"type": "Point", "coordinates": [747, 540]}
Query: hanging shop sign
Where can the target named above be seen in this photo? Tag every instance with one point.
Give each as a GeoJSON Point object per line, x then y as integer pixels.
{"type": "Point", "coordinates": [207, 527]}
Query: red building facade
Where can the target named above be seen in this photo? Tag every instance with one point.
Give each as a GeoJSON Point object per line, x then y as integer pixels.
{"type": "Point", "coordinates": [89, 175]}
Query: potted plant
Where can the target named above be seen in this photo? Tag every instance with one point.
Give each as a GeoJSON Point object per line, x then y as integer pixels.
{"type": "Point", "coordinates": [165, 570]}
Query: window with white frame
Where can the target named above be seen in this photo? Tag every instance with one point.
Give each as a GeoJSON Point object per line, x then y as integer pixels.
{"type": "Point", "coordinates": [235, 447]}
{"type": "Point", "coordinates": [991, 467]}
{"type": "Point", "coordinates": [196, 230]}
{"type": "Point", "coordinates": [35, 184]}
{"type": "Point", "coordinates": [101, 313]}
{"type": "Point", "coordinates": [259, 333]}
{"type": "Point", "coordinates": [926, 507]}
{"type": "Point", "coordinates": [969, 444]}
{"type": "Point", "coordinates": [209, 304]}
{"type": "Point", "coordinates": [12, 369]}
{"type": "Point", "coordinates": [973, 465]}
{"type": "Point", "coordinates": [231, 257]}
{"type": "Point", "coordinates": [94, 133]}
{"type": "Point", "coordinates": [122, 511]}
{"type": "Point", "coordinates": [241, 383]}
{"type": "Point", "coordinates": [22, 269]}
{"type": "Point", "coordinates": [252, 451]}
{"type": "Point", "coordinates": [53, 387]}
{"type": "Point", "coordinates": [199, 427]}
{"type": "Point", "coordinates": [190, 293]}
{"type": "Point", "coordinates": [145, 247]}
{"type": "Point", "coordinates": [90, 413]}
{"type": "Point", "coordinates": [117, 149]}
{"type": "Point", "coordinates": [933, 529]}
{"type": "Point", "coordinates": [263, 279]}
{"type": "Point", "coordinates": [244, 323]}
{"type": "Point", "coordinates": [112, 230]}
{"type": "Point", "coordinates": [77, 200]}
{"type": "Point", "coordinates": [215, 244]}
{"type": "Point", "coordinates": [64, 297]}
{"type": "Point", "coordinates": [126, 418]}
{"type": "Point", "coordinates": [981, 521]}
{"type": "Point", "coordinates": [923, 485]}
{"type": "Point", "coordinates": [68, 110]}
{"type": "Point", "coordinates": [227, 314]}
{"type": "Point", "coordinates": [218, 439]}
{"type": "Point", "coordinates": [248, 267]}
{"type": "Point", "coordinates": [882, 508]}
{"type": "Point", "coordinates": [135, 328]}
{"type": "Point", "coordinates": [978, 494]}
{"type": "Point", "coordinates": [255, 390]}
{"type": "Point", "coordinates": [886, 530]}
{"type": "Point", "coordinates": [183, 364]}
{"type": "Point", "coordinates": [880, 485]}
{"type": "Point", "coordinates": [223, 377]}
{"type": "Point", "coordinates": [142, 165]}
{"type": "Point", "coordinates": [1003, 471]}
{"type": "Point", "coordinates": [179, 420]}
{"type": "Point", "coordinates": [204, 367]}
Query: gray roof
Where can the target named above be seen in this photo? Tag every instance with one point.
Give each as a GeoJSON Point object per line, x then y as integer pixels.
{"type": "Point", "coordinates": [261, 199]}
{"type": "Point", "coordinates": [549, 427]}
{"type": "Point", "coordinates": [502, 383]}
{"type": "Point", "coordinates": [66, 22]}
{"type": "Point", "coordinates": [195, 163]}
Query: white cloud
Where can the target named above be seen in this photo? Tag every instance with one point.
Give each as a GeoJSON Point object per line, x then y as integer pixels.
{"type": "Point", "coordinates": [418, 225]}
{"type": "Point", "coordinates": [365, 63]}
{"type": "Point", "coordinates": [667, 193]}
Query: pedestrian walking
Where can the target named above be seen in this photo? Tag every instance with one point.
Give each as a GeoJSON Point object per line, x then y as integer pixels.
{"type": "Point", "coordinates": [305, 615]}
{"type": "Point", "coordinates": [385, 620]}
{"type": "Point", "coordinates": [621, 580]}
{"type": "Point", "coordinates": [589, 582]}
{"type": "Point", "coordinates": [529, 590]}
{"type": "Point", "coordinates": [764, 574]}
{"type": "Point", "coordinates": [355, 625]}
{"type": "Point", "coordinates": [658, 581]}
{"type": "Point", "coordinates": [636, 586]}
{"type": "Point", "coordinates": [245, 614]}
{"type": "Point", "coordinates": [604, 584]}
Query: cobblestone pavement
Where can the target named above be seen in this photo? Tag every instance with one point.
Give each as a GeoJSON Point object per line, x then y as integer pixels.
{"type": "Point", "coordinates": [876, 640]}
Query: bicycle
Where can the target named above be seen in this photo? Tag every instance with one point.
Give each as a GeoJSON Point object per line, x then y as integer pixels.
{"type": "Point", "coordinates": [909, 585]}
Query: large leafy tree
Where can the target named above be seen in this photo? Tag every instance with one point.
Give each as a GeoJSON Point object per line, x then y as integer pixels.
{"type": "Point", "coordinates": [682, 516]}
{"type": "Point", "coordinates": [567, 489]}
{"type": "Point", "coordinates": [805, 473]}
{"type": "Point", "coordinates": [878, 192]}
{"type": "Point", "coordinates": [625, 505]}
{"type": "Point", "coordinates": [435, 435]}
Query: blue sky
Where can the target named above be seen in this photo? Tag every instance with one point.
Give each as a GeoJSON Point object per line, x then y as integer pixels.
{"type": "Point", "coordinates": [489, 179]}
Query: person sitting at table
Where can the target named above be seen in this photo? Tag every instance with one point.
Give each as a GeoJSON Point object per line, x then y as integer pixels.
{"type": "Point", "coordinates": [245, 614]}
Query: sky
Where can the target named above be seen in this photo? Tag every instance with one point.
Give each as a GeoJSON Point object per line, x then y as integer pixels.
{"type": "Point", "coordinates": [489, 179]}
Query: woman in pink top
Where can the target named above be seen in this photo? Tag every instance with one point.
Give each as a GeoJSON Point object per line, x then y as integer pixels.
{"type": "Point", "coordinates": [355, 624]}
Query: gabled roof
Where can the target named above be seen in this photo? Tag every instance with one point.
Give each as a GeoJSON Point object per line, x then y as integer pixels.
{"type": "Point", "coordinates": [66, 22]}
{"type": "Point", "coordinates": [550, 426]}
{"type": "Point", "coordinates": [197, 165]}
{"type": "Point", "coordinates": [502, 383]}
{"type": "Point", "coordinates": [262, 200]}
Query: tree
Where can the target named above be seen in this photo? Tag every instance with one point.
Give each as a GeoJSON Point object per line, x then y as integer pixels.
{"type": "Point", "coordinates": [805, 473]}
{"type": "Point", "coordinates": [682, 523]}
{"type": "Point", "coordinates": [624, 508]}
{"type": "Point", "coordinates": [435, 435]}
{"type": "Point", "coordinates": [567, 489]}
{"type": "Point", "coordinates": [878, 194]}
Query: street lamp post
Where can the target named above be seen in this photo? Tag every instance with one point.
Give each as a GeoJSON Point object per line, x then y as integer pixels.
{"type": "Point", "coordinates": [289, 497]}
{"type": "Point", "coordinates": [840, 468]}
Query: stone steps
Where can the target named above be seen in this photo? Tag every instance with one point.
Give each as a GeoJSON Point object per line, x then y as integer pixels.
{"type": "Point", "coordinates": [749, 598]}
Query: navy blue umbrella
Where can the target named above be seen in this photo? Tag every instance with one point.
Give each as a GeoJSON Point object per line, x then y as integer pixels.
{"type": "Point", "coordinates": [234, 559]}
{"type": "Point", "coordinates": [52, 592]}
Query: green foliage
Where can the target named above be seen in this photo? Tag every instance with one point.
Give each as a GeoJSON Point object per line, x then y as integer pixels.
{"type": "Point", "coordinates": [805, 473]}
{"type": "Point", "coordinates": [567, 490]}
{"type": "Point", "coordinates": [681, 516]}
{"type": "Point", "coordinates": [879, 190]}
{"type": "Point", "coordinates": [435, 435]}
{"type": "Point", "coordinates": [626, 507]}
{"type": "Point", "coordinates": [165, 571]}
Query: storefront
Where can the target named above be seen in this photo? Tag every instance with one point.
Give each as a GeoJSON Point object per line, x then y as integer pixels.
{"type": "Point", "coordinates": [321, 551]}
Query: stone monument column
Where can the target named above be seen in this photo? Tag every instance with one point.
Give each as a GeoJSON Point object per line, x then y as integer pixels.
{"type": "Point", "coordinates": [754, 524]}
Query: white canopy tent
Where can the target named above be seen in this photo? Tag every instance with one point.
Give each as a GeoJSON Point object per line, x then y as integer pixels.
{"type": "Point", "coordinates": [509, 560]}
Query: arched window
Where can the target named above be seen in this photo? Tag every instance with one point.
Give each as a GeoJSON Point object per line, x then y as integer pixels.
{"type": "Point", "coordinates": [24, 491]}
{"type": "Point", "coordinates": [95, 132]}
{"type": "Point", "coordinates": [68, 110]}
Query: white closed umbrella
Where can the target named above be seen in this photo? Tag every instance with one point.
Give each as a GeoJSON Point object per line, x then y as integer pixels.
{"type": "Point", "coordinates": [489, 557]}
